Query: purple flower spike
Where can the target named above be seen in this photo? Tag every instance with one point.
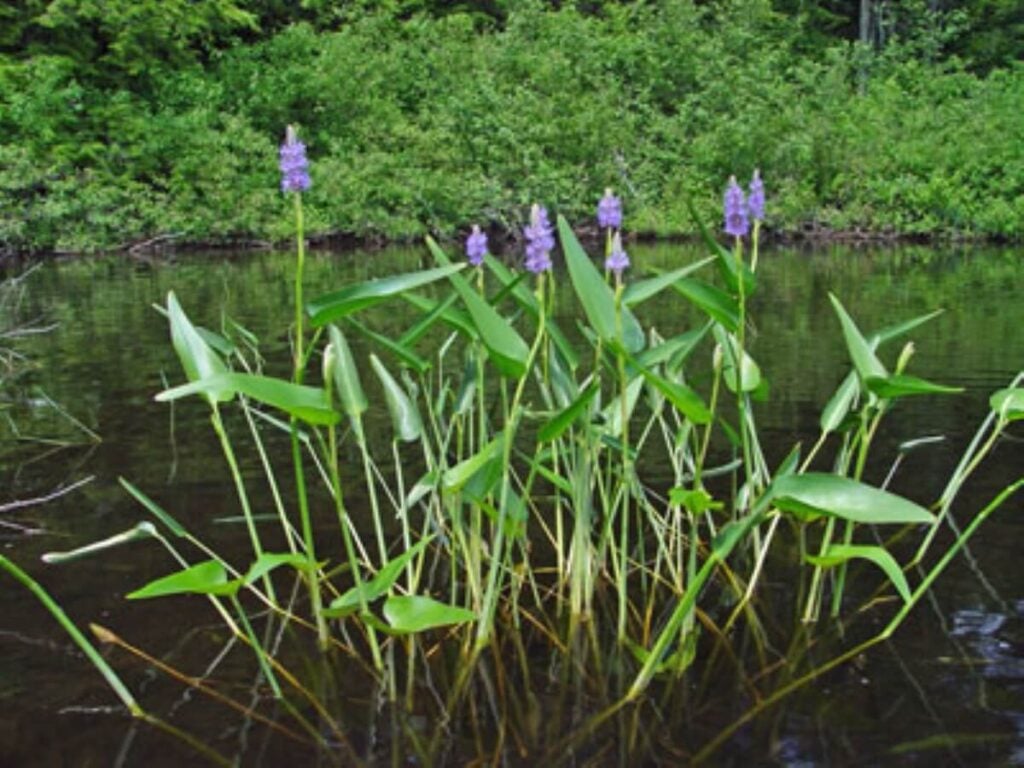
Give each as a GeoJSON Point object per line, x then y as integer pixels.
{"type": "Point", "coordinates": [476, 246]}
{"type": "Point", "coordinates": [617, 260]}
{"type": "Point", "coordinates": [540, 239]}
{"type": "Point", "coordinates": [736, 223]}
{"type": "Point", "coordinates": [755, 201]}
{"type": "Point", "coordinates": [609, 211]}
{"type": "Point", "coordinates": [294, 165]}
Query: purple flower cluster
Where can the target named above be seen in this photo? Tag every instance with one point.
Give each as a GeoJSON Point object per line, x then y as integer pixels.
{"type": "Point", "coordinates": [739, 209]}
{"type": "Point", "coordinates": [736, 223]}
{"type": "Point", "coordinates": [540, 239]}
{"type": "Point", "coordinates": [476, 246]}
{"type": "Point", "coordinates": [293, 163]}
{"type": "Point", "coordinates": [755, 200]}
{"type": "Point", "coordinates": [617, 260]}
{"type": "Point", "coordinates": [609, 211]}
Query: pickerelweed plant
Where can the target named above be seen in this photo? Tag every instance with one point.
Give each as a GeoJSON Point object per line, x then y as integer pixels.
{"type": "Point", "coordinates": [510, 506]}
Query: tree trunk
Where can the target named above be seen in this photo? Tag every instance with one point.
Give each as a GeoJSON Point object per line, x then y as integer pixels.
{"type": "Point", "coordinates": [865, 22]}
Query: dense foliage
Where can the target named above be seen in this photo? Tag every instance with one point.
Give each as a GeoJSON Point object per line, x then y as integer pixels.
{"type": "Point", "coordinates": [124, 121]}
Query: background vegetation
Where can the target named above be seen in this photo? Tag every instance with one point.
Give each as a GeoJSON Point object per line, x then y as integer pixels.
{"type": "Point", "coordinates": [124, 120]}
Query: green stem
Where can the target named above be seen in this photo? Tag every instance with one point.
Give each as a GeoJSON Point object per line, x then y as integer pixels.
{"type": "Point", "coordinates": [257, 648]}
{"type": "Point", "coordinates": [243, 497]}
{"type": "Point", "coordinates": [922, 589]}
{"type": "Point", "coordinates": [485, 626]}
{"type": "Point", "coordinates": [626, 471]}
{"type": "Point", "coordinates": [350, 550]}
{"type": "Point", "coordinates": [80, 640]}
{"type": "Point", "coordinates": [300, 477]}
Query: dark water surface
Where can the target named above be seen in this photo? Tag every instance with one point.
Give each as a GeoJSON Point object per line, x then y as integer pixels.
{"type": "Point", "coordinates": [949, 689]}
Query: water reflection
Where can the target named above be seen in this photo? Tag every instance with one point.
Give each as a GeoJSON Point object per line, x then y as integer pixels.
{"type": "Point", "coordinates": [110, 354]}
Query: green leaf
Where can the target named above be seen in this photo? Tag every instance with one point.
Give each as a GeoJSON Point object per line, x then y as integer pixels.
{"type": "Point", "coordinates": [750, 372]}
{"type": "Point", "coordinates": [268, 561]}
{"type": "Point", "coordinates": [356, 297]}
{"type": "Point", "coordinates": [350, 601]}
{"type": "Point", "coordinates": [454, 478]}
{"type": "Point", "coordinates": [1008, 403]}
{"type": "Point", "coordinates": [705, 233]}
{"type": "Point", "coordinates": [405, 418]}
{"type": "Point", "coordinates": [527, 299]}
{"type": "Point", "coordinates": [861, 353]}
{"type": "Point", "coordinates": [434, 311]}
{"type": "Point", "coordinates": [688, 402]}
{"type": "Point", "coordinates": [340, 369]}
{"type": "Point", "coordinates": [536, 464]}
{"type": "Point", "coordinates": [595, 295]}
{"type": "Point", "coordinates": [464, 400]}
{"type": "Point", "coordinates": [730, 271]}
{"type": "Point", "coordinates": [674, 351]}
{"type": "Point", "coordinates": [513, 520]}
{"type": "Point", "coordinates": [714, 302]}
{"type": "Point", "coordinates": [505, 346]}
{"type": "Point", "coordinates": [814, 494]}
{"type": "Point", "coordinates": [612, 413]}
{"type": "Point", "coordinates": [155, 509]}
{"type": "Point", "coordinates": [401, 351]}
{"type": "Point", "coordinates": [557, 425]}
{"type": "Point", "coordinates": [197, 358]}
{"type": "Point", "coordinates": [206, 578]}
{"type": "Point", "coordinates": [895, 331]}
{"type": "Point", "coordinates": [307, 403]}
{"type": "Point", "coordinates": [416, 613]}
{"type": "Point", "coordinates": [696, 501]}
{"type": "Point", "coordinates": [837, 554]}
{"type": "Point", "coordinates": [840, 404]}
{"type": "Point", "coordinates": [640, 291]}
{"type": "Point", "coordinates": [144, 530]}
{"type": "Point", "coordinates": [901, 385]}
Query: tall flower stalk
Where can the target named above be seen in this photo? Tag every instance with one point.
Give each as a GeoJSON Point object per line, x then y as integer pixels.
{"type": "Point", "coordinates": [294, 181]}
{"type": "Point", "coordinates": [616, 263]}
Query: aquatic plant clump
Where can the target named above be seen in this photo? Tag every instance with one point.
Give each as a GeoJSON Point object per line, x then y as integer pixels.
{"type": "Point", "coordinates": [508, 517]}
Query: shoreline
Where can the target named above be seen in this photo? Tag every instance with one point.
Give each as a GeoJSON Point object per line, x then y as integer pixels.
{"type": "Point", "coordinates": [807, 235]}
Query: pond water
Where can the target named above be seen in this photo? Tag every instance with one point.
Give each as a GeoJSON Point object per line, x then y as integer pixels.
{"type": "Point", "coordinates": [948, 689]}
